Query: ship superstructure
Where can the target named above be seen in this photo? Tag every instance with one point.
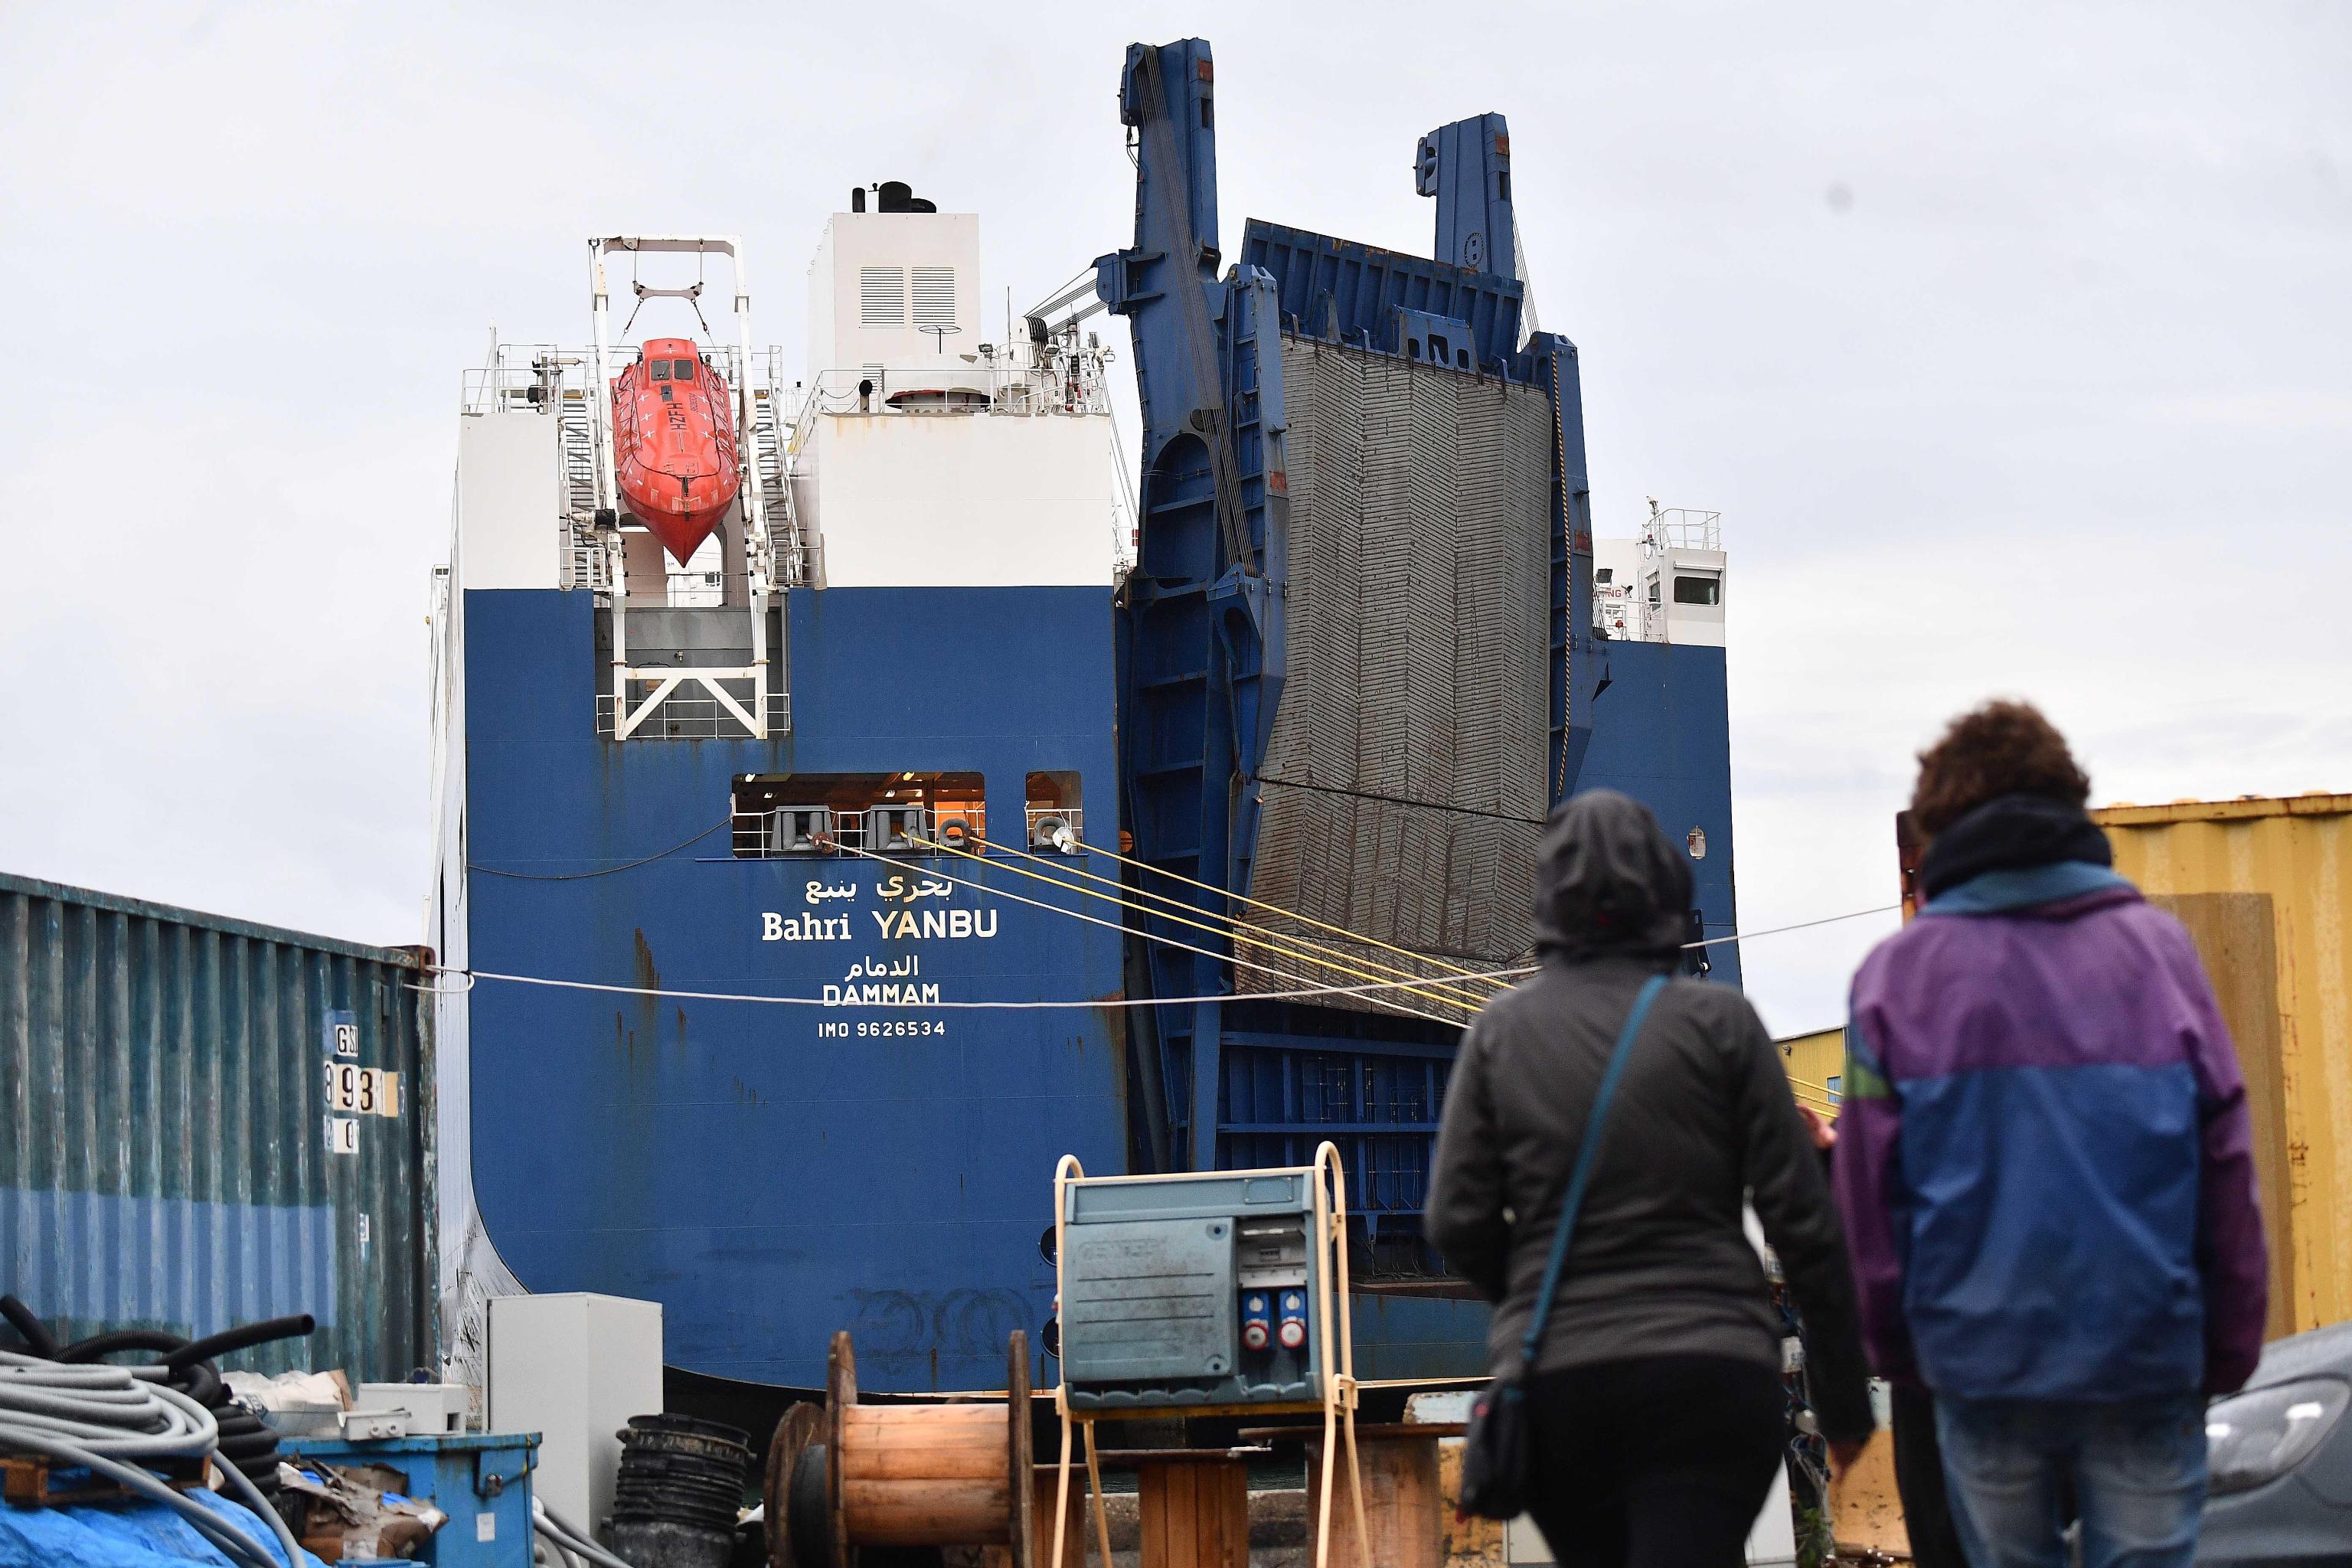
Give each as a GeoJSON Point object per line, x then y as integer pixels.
{"type": "Point", "coordinates": [1665, 585]}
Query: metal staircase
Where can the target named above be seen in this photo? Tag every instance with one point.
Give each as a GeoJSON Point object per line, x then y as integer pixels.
{"type": "Point", "coordinates": [584, 564]}
{"type": "Point", "coordinates": [790, 569]}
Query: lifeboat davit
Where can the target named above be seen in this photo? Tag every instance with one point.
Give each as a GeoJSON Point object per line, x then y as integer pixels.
{"type": "Point", "coordinates": [673, 444]}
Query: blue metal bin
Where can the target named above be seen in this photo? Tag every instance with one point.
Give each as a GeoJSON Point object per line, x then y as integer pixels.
{"type": "Point", "coordinates": [480, 1480]}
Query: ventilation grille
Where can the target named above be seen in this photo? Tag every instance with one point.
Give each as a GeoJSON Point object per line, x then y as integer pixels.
{"type": "Point", "coordinates": [882, 295]}
{"type": "Point", "coordinates": [935, 302]}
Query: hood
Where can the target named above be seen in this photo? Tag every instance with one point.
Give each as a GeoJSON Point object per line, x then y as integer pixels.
{"type": "Point", "coordinates": [1609, 880]}
{"type": "Point", "coordinates": [2011, 833]}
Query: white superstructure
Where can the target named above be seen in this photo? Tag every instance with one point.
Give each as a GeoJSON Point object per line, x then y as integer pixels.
{"type": "Point", "coordinates": [1616, 576]}
{"type": "Point", "coordinates": [919, 448]}
{"type": "Point", "coordinates": [1666, 586]}
{"type": "Point", "coordinates": [936, 447]}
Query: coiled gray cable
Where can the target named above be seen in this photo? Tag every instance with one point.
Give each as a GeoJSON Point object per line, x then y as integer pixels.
{"type": "Point", "coordinates": [570, 1539]}
{"type": "Point", "coordinates": [107, 1417]}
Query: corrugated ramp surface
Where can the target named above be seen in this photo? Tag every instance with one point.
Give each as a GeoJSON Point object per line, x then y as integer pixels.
{"type": "Point", "coordinates": [1404, 786]}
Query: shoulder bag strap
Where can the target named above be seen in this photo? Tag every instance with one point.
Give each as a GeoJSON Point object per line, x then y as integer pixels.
{"type": "Point", "coordinates": [1586, 1153]}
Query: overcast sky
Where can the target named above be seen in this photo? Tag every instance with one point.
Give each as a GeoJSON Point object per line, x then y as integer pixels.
{"type": "Point", "coordinates": [2011, 342]}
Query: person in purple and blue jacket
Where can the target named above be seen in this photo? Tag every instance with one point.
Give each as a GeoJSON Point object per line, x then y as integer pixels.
{"type": "Point", "coordinates": [2046, 1168]}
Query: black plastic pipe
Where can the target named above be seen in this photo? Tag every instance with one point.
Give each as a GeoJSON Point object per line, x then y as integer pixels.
{"type": "Point", "coordinates": [240, 1339]}
{"type": "Point", "coordinates": [34, 1334]}
{"type": "Point", "coordinates": [99, 1346]}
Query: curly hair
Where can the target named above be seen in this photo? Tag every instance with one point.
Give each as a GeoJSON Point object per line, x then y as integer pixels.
{"type": "Point", "coordinates": [2001, 748]}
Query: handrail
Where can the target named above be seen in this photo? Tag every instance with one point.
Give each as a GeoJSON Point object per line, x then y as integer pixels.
{"type": "Point", "coordinates": [564, 375]}
{"type": "Point", "coordinates": [998, 388]}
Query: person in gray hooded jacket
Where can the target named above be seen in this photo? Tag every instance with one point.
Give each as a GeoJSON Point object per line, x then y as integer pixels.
{"type": "Point", "coordinates": [1656, 1401]}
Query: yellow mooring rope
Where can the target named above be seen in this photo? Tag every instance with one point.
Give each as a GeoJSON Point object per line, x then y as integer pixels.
{"type": "Point", "coordinates": [1429, 959]}
{"type": "Point", "coordinates": [1272, 941]}
{"type": "Point", "coordinates": [1148, 936]}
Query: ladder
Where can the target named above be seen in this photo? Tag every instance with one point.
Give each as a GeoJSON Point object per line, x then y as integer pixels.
{"type": "Point", "coordinates": [584, 563]}
{"type": "Point", "coordinates": [774, 480]}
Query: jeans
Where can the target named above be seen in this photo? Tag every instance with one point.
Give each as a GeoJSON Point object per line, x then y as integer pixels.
{"type": "Point", "coordinates": [2135, 1468]}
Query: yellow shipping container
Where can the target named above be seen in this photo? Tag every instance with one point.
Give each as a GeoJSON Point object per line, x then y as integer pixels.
{"type": "Point", "coordinates": [1816, 1068]}
{"type": "Point", "coordinates": [2261, 884]}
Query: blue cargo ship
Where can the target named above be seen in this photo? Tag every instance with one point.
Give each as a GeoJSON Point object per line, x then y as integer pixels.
{"type": "Point", "coordinates": [948, 811]}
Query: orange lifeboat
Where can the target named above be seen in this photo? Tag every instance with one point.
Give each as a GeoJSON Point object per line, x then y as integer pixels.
{"type": "Point", "coordinates": [673, 444]}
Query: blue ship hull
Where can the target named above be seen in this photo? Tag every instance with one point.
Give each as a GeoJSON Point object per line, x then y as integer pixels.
{"type": "Point", "coordinates": [772, 1174]}
{"type": "Point", "coordinates": [1662, 733]}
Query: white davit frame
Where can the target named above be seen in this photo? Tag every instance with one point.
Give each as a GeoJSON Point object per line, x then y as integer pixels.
{"type": "Point", "coordinates": [759, 553]}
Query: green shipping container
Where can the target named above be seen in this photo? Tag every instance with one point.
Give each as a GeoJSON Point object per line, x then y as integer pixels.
{"type": "Point", "coordinates": [204, 1123]}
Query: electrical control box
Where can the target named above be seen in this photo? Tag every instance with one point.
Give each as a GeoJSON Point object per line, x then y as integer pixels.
{"type": "Point", "coordinates": [1203, 1290]}
{"type": "Point", "coordinates": [406, 1410]}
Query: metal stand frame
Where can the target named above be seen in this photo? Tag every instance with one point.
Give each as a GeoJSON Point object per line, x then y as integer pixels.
{"type": "Point", "coordinates": [759, 553]}
{"type": "Point", "coordinates": [1337, 1404]}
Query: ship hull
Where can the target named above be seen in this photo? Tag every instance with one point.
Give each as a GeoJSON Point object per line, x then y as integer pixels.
{"type": "Point", "coordinates": [772, 1174]}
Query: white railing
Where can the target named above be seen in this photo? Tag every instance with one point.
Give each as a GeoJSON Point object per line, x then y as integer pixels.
{"type": "Point", "coordinates": [1681, 528]}
{"type": "Point", "coordinates": [528, 378]}
{"type": "Point", "coordinates": [522, 378]}
{"type": "Point", "coordinates": [688, 712]}
{"type": "Point", "coordinates": [877, 830]}
{"type": "Point", "coordinates": [998, 387]}
{"type": "Point", "coordinates": [1051, 830]}
{"type": "Point", "coordinates": [1042, 833]}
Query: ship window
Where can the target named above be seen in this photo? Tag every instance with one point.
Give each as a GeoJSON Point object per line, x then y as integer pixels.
{"type": "Point", "coordinates": [661, 370]}
{"type": "Point", "coordinates": [1604, 573]}
{"type": "Point", "coordinates": [882, 296]}
{"type": "Point", "coordinates": [1056, 822]}
{"type": "Point", "coordinates": [684, 370]}
{"type": "Point", "coordinates": [1697, 590]}
{"type": "Point", "coordinates": [908, 813]}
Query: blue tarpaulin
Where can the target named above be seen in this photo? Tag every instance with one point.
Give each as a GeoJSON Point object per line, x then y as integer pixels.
{"type": "Point", "coordinates": [127, 1535]}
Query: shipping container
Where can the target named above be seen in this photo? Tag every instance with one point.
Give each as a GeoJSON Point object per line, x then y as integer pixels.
{"type": "Point", "coordinates": [1816, 1067]}
{"type": "Point", "coordinates": [2261, 884]}
{"type": "Point", "coordinates": [207, 1122]}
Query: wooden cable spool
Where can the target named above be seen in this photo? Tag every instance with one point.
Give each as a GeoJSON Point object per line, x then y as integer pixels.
{"type": "Point", "coordinates": [853, 1475]}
